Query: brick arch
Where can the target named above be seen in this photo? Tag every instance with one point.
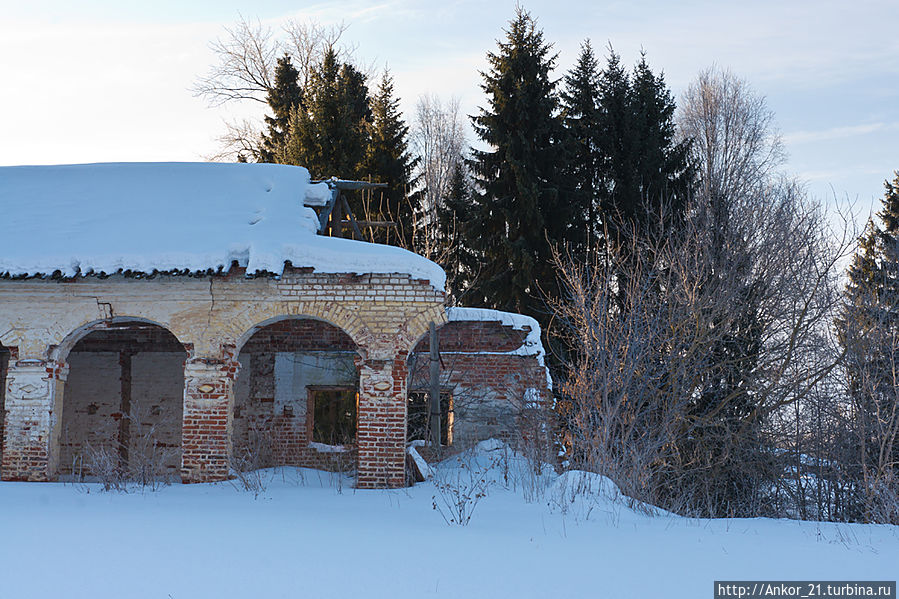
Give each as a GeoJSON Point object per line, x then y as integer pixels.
{"type": "Point", "coordinates": [416, 329]}
{"type": "Point", "coordinates": [239, 330]}
{"type": "Point", "coordinates": [66, 342]}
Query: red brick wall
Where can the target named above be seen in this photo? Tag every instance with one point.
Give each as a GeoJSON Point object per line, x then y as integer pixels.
{"type": "Point", "coordinates": [280, 435]}
{"type": "Point", "coordinates": [4, 361]}
{"type": "Point", "coordinates": [295, 335]}
{"type": "Point", "coordinates": [381, 430]}
{"type": "Point", "coordinates": [472, 336]}
{"type": "Point", "coordinates": [488, 389]}
{"type": "Point", "coordinates": [205, 444]}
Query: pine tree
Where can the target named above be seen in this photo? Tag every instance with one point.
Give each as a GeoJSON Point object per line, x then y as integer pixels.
{"type": "Point", "coordinates": [282, 99]}
{"type": "Point", "coordinates": [387, 160]}
{"type": "Point", "coordinates": [523, 206]}
{"type": "Point", "coordinates": [580, 101]}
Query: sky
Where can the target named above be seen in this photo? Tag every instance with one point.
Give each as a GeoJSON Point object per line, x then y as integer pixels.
{"type": "Point", "coordinates": [105, 80]}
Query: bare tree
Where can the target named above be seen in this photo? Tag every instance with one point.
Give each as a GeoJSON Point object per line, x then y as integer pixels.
{"type": "Point", "coordinates": [656, 397]}
{"type": "Point", "coordinates": [246, 63]}
{"type": "Point", "coordinates": [241, 141]}
{"type": "Point", "coordinates": [248, 53]}
{"type": "Point", "coordinates": [438, 138]}
{"type": "Point", "coordinates": [247, 57]}
{"type": "Point", "coordinates": [734, 143]}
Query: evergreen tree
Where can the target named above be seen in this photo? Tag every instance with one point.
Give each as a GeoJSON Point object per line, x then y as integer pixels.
{"type": "Point", "coordinates": [580, 101]}
{"type": "Point", "coordinates": [868, 329]}
{"type": "Point", "coordinates": [647, 173]}
{"type": "Point", "coordinates": [328, 134]}
{"type": "Point", "coordinates": [282, 99]}
{"type": "Point", "coordinates": [454, 219]}
{"type": "Point", "coordinates": [522, 207]}
{"type": "Point", "coordinates": [387, 160]}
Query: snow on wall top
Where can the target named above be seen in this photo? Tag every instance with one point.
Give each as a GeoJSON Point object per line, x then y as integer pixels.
{"type": "Point", "coordinates": [145, 217]}
{"type": "Point", "coordinates": [532, 345]}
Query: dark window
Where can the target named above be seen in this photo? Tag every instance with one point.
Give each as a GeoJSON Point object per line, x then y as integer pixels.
{"type": "Point", "coordinates": [417, 419]}
{"type": "Point", "coordinates": [334, 416]}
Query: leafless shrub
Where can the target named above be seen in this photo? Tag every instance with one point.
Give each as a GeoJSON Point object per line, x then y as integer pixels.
{"type": "Point", "coordinates": [142, 460]}
{"type": "Point", "coordinates": [683, 356]}
{"type": "Point", "coordinates": [248, 462]}
{"type": "Point", "coordinates": [460, 488]}
{"type": "Point", "coordinates": [105, 463]}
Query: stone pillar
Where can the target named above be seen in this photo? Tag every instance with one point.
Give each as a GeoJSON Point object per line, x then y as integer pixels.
{"type": "Point", "coordinates": [206, 426]}
{"type": "Point", "coordinates": [381, 427]}
{"type": "Point", "coordinates": [34, 391]}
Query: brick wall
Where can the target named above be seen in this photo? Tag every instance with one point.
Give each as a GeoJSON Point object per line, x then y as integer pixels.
{"type": "Point", "coordinates": [279, 363]}
{"type": "Point", "coordinates": [382, 314]}
{"type": "Point", "coordinates": [493, 394]}
{"type": "Point", "coordinates": [4, 362]}
{"type": "Point", "coordinates": [124, 396]}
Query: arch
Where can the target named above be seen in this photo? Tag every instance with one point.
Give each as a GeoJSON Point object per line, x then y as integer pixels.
{"type": "Point", "coordinates": [122, 406]}
{"type": "Point", "coordinates": [241, 327]}
{"type": "Point", "coordinates": [292, 367]}
{"type": "Point", "coordinates": [243, 338]}
{"type": "Point", "coordinates": [61, 351]}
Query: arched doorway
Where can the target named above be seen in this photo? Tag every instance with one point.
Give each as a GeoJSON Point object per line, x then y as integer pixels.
{"type": "Point", "coordinates": [123, 403]}
{"type": "Point", "coordinates": [296, 395]}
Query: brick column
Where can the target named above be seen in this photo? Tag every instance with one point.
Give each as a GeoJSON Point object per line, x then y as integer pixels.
{"type": "Point", "coordinates": [206, 426]}
{"type": "Point", "coordinates": [34, 391]}
{"type": "Point", "coordinates": [381, 427]}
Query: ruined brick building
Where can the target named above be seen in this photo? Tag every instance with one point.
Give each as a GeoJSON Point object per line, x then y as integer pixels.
{"type": "Point", "coordinates": [191, 314]}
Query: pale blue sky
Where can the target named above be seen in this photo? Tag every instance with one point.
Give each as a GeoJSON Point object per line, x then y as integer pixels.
{"type": "Point", "coordinates": [109, 80]}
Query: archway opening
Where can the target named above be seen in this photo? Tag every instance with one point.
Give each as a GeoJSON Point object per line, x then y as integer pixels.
{"type": "Point", "coordinates": [4, 368]}
{"type": "Point", "coordinates": [123, 404]}
{"type": "Point", "coordinates": [296, 396]}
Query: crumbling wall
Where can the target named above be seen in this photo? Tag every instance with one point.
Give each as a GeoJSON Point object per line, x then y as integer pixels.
{"type": "Point", "coordinates": [123, 396]}
{"type": "Point", "coordinates": [4, 363]}
{"type": "Point", "coordinates": [279, 365]}
{"type": "Point", "coordinates": [495, 391]}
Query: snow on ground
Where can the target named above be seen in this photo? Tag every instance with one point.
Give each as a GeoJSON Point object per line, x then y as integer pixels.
{"type": "Point", "coordinates": [309, 534]}
{"type": "Point", "coordinates": [147, 217]}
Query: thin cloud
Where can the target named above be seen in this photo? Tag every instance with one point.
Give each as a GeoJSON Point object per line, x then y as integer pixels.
{"type": "Point", "coordinates": [801, 137]}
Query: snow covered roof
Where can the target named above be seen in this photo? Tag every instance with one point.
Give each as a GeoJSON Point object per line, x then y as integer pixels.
{"type": "Point", "coordinates": [146, 217]}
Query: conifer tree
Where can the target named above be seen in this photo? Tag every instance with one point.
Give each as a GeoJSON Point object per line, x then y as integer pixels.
{"type": "Point", "coordinates": [282, 99]}
{"type": "Point", "coordinates": [328, 133]}
{"type": "Point", "coordinates": [869, 332]}
{"type": "Point", "coordinates": [387, 160]}
{"type": "Point", "coordinates": [580, 101]}
{"type": "Point", "coordinates": [647, 171]}
{"type": "Point", "coordinates": [454, 219]}
{"type": "Point", "coordinates": [522, 206]}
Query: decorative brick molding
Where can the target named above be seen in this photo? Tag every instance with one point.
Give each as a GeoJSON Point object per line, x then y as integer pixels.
{"type": "Point", "coordinates": [33, 399]}
{"type": "Point", "coordinates": [206, 428]}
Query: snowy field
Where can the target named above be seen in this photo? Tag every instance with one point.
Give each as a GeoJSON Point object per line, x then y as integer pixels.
{"type": "Point", "coordinates": [309, 534]}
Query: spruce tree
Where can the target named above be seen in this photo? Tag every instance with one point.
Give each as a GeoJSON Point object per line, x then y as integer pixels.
{"type": "Point", "coordinates": [868, 329]}
{"type": "Point", "coordinates": [387, 160]}
{"type": "Point", "coordinates": [647, 173]}
{"type": "Point", "coordinates": [328, 134]}
{"type": "Point", "coordinates": [580, 101]}
{"type": "Point", "coordinates": [454, 219]}
{"type": "Point", "coordinates": [522, 207]}
{"type": "Point", "coordinates": [282, 99]}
